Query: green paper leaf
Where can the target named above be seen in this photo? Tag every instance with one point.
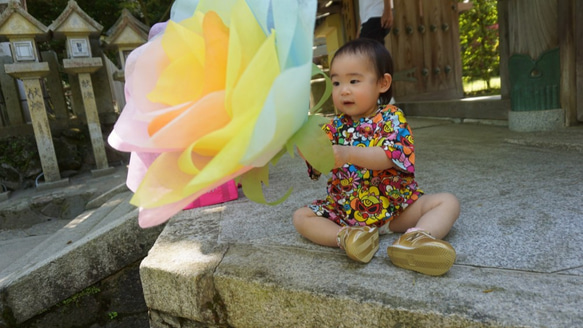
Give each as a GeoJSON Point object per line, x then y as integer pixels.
{"type": "Point", "coordinates": [327, 92]}
{"type": "Point", "coordinates": [314, 144]}
{"type": "Point", "coordinates": [277, 157]}
{"type": "Point", "coordinates": [252, 183]}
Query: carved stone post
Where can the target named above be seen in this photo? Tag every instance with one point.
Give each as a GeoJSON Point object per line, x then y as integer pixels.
{"type": "Point", "coordinates": [77, 27]}
{"type": "Point", "coordinates": [22, 31]}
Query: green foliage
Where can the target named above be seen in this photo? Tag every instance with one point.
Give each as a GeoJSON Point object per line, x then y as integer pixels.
{"type": "Point", "coordinates": [92, 290]}
{"type": "Point", "coordinates": [105, 12]}
{"type": "Point", "coordinates": [479, 41]}
{"type": "Point", "coordinates": [18, 152]}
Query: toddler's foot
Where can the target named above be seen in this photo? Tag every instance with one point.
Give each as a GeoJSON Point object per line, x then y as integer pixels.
{"type": "Point", "coordinates": [360, 242]}
{"type": "Point", "coordinates": [419, 251]}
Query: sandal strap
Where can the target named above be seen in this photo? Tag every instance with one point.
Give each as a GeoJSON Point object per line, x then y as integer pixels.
{"type": "Point", "coordinates": [340, 237]}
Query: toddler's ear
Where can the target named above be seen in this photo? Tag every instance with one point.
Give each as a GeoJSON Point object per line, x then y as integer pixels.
{"type": "Point", "coordinates": [385, 82]}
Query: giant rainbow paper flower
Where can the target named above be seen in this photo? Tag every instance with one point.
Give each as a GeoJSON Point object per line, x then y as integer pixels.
{"type": "Point", "coordinates": [219, 94]}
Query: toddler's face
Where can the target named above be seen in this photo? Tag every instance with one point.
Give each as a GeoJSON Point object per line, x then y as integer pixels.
{"type": "Point", "coordinates": [356, 87]}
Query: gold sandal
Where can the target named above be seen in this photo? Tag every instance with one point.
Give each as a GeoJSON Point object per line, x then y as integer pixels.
{"type": "Point", "coordinates": [421, 252]}
{"type": "Point", "coordinates": [360, 242]}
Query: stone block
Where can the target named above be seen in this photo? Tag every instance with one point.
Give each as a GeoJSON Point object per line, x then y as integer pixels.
{"type": "Point", "coordinates": [536, 120]}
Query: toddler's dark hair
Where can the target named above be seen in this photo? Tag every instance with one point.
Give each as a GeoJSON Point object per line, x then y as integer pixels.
{"type": "Point", "coordinates": [378, 55]}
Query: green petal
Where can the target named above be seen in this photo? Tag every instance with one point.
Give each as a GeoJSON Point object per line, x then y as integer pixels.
{"type": "Point", "coordinates": [314, 144]}
{"type": "Point", "coordinates": [252, 183]}
{"type": "Point", "coordinates": [327, 92]}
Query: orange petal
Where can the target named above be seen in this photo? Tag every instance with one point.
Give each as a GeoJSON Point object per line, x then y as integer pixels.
{"type": "Point", "coordinates": [216, 36]}
{"type": "Point", "coordinates": [162, 120]}
{"type": "Point", "coordinates": [179, 129]}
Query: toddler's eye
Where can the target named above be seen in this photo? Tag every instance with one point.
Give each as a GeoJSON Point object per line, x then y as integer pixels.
{"type": "Point", "coordinates": [335, 83]}
{"type": "Point", "coordinates": [353, 81]}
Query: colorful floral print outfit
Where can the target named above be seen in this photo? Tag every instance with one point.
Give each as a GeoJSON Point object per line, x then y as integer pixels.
{"type": "Point", "coordinates": [358, 196]}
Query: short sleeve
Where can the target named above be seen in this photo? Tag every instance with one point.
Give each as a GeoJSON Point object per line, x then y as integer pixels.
{"type": "Point", "coordinates": [331, 129]}
{"type": "Point", "coordinates": [397, 140]}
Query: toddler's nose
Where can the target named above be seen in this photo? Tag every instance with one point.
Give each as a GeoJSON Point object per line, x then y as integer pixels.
{"type": "Point", "coordinates": [345, 90]}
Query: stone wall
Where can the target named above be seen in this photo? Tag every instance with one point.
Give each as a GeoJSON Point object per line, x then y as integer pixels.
{"type": "Point", "coordinates": [115, 302]}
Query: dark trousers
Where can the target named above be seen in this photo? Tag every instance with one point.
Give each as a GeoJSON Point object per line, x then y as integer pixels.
{"type": "Point", "coordinates": [372, 29]}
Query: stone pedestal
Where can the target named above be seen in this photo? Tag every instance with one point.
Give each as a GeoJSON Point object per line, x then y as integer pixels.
{"type": "Point", "coordinates": [536, 120]}
{"type": "Point", "coordinates": [84, 67]}
{"type": "Point", "coordinates": [30, 73]}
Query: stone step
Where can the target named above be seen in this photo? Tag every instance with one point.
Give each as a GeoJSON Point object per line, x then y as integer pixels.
{"type": "Point", "coordinates": [65, 238]}
{"type": "Point", "coordinates": [32, 218]}
{"type": "Point", "coordinates": [91, 247]}
{"type": "Point", "coordinates": [518, 242]}
{"type": "Point", "coordinates": [101, 199]}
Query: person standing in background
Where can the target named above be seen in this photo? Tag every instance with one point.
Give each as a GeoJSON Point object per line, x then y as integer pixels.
{"type": "Point", "coordinates": [376, 19]}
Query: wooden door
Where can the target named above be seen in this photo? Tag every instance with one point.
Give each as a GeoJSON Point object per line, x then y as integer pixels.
{"type": "Point", "coordinates": [424, 43]}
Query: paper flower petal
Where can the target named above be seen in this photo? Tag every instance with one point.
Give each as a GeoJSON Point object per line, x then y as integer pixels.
{"type": "Point", "coordinates": [314, 145]}
{"type": "Point", "coordinates": [183, 9]}
{"type": "Point", "coordinates": [282, 115]}
{"type": "Point", "coordinates": [253, 182]}
{"type": "Point", "coordinates": [218, 94]}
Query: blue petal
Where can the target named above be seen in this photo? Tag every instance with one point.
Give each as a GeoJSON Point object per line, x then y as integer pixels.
{"type": "Point", "coordinates": [182, 9]}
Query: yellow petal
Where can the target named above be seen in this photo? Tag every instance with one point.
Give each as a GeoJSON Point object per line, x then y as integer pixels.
{"type": "Point", "coordinates": [194, 23]}
{"type": "Point", "coordinates": [180, 82]}
{"type": "Point", "coordinates": [212, 143]}
{"type": "Point", "coordinates": [191, 162]}
{"type": "Point", "coordinates": [181, 39]}
{"type": "Point", "coordinates": [223, 164]}
{"type": "Point", "coordinates": [162, 184]}
{"type": "Point", "coordinates": [245, 40]}
{"type": "Point", "coordinates": [253, 87]}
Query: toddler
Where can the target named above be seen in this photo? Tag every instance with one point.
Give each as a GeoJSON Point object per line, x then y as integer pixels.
{"type": "Point", "coordinates": [372, 189]}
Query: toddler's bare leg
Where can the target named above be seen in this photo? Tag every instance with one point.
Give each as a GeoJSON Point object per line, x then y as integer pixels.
{"type": "Point", "coordinates": [434, 213]}
{"type": "Point", "coordinates": [317, 229]}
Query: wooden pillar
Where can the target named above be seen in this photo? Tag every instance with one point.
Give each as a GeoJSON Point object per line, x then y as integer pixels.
{"type": "Point", "coordinates": [504, 48]}
{"type": "Point", "coordinates": [350, 20]}
{"type": "Point", "coordinates": [566, 23]}
{"type": "Point", "coordinates": [578, 20]}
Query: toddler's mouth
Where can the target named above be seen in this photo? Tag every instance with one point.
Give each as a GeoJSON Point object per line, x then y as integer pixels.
{"type": "Point", "coordinates": [348, 102]}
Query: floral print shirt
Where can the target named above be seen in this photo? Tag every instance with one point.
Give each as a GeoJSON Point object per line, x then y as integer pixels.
{"type": "Point", "coordinates": [359, 196]}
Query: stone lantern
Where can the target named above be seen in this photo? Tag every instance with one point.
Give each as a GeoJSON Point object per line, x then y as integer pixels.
{"type": "Point", "coordinates": [22, 31]}
{"type": "Point", "coordinates": [125, 35]}
{"type": "Point", "coordinates": [77, 28]}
